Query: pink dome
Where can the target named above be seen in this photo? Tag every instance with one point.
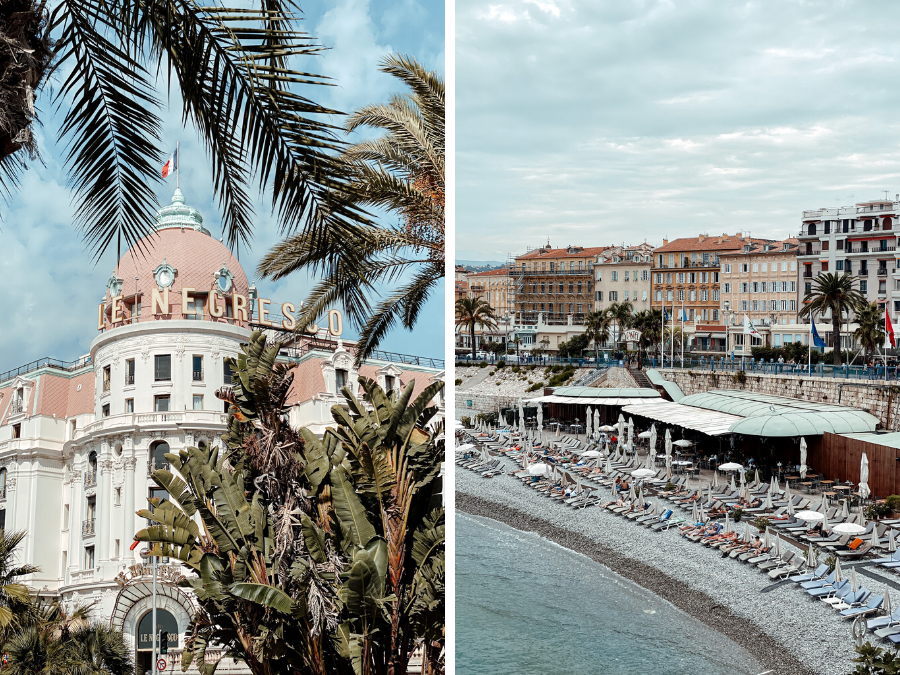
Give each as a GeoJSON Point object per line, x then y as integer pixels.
{"type": "Point", "coordinates": [193, 255]}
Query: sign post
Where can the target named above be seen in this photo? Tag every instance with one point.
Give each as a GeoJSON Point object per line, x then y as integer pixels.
{"type": "Point", "coordinates": [161, 664]}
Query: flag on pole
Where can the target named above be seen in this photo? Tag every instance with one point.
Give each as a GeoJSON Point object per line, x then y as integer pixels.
{"type": "Point", "coordinates": [749, 329]}
{"type": "Point", "coordinates": [817, 341]}
{"type": "Point", "coordinates": [889, 327]}
{"type": "Point", "coordinates": [665, 315]}
{"type": "Point", "coordinates": [170, 166]}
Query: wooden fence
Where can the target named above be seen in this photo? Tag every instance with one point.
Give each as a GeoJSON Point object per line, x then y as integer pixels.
{"type": "Point", "coordinates": [839, 457]}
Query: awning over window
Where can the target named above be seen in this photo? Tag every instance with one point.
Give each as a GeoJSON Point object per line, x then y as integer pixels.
{"type": "Point", "coordinates": [707, 422]}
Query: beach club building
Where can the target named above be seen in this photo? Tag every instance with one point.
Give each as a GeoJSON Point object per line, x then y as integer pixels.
{"type": "Point", "coordinates": [79, 440]}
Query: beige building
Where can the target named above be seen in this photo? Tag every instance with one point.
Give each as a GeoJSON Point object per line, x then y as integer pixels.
{"type": "Point", "coordinates": [623, 275]}
{"type": "Point", "coordinates": [494, 286]}
{"type": "Point", "coordinates": [556, 283]}
{"type": "Point", "coordinates": [760, 282]}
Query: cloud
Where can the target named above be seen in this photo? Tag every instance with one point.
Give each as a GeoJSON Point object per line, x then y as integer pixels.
{"type": "Point", "coordinates": [656, 119]}
{"type": "Point", "coordinates": [53, 288]}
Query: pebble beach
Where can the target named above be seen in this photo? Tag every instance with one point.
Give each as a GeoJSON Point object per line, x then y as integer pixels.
{"type": "Point", "coordinates": [785, 629]}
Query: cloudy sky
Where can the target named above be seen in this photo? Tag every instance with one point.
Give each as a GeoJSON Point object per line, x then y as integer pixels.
{"type": "Point", "coordinates": [597, 122]}
{"type": "Point", "coordinates": [53, 288]}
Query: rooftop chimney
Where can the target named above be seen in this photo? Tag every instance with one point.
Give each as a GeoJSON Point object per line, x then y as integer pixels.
{"type": "Point", "coordinates": [701, 237]}
{"type": "Point", "coordinates": [665, 242]}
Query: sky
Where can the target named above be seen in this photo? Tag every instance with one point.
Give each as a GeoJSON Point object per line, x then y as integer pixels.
{"type": "Point", "coordinates": [619, 121]}
{"type": "Point", "coordinates": [53, 286]}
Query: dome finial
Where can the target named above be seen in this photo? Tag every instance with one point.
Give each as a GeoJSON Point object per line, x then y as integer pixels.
{"type": "Point", "coordinates": [178, 198]}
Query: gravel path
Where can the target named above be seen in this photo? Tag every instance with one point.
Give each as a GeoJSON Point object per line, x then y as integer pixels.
{"type": "Point", "coordinates": [784, 629]}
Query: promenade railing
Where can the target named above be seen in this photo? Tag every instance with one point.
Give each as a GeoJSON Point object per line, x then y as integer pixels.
{"type": "Point", "coordinates": [762, 367]}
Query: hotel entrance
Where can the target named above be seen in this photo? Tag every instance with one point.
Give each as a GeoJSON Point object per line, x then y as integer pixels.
{"type": "Point", "coordinates": [143, 660]}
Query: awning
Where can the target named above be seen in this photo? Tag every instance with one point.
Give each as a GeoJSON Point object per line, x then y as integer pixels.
{"type": "Point", "coordinates": [719, 335]}
{"type": "Point", "coordinates": [583, 400]}
{"type": "Point", "coordinates": [707, 422]}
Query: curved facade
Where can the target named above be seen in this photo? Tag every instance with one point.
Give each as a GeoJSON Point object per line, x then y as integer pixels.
{"type": "Point", "coordinates": [78, 441]}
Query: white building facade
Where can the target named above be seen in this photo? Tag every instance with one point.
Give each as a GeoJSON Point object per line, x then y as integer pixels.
{"type": "Point", "coordinates": [79, 441]}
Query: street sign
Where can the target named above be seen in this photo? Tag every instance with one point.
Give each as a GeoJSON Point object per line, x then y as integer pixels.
{"type": "Point", "coordinates": [160, 664]}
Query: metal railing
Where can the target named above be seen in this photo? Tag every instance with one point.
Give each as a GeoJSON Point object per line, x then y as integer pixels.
{"type": "Point", "coordinates": [750, 365]}
{"type": "Point", "coordinates": [87, 527]}
{"type": "Point", "coordinates": [129, 379]}
{"type": "Point", "coordinates": [45, 362]}
{"type": "Point", "coordinates": [533, 273]}
{"type": "Point", "coordinates": [198, 375]}
{"type": "Point", "coordinates": [17, 407]}
{"type": "Point", "coordinates": [106, 386]}
{"type": "Point", "coordinates": [90, 478]}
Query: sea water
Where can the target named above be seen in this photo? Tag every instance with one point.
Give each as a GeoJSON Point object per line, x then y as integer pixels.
{"type": "Point", "coordinates": [526, 605]}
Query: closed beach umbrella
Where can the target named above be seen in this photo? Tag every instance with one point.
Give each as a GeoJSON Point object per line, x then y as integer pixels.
{"type": "Point", "coordinates": [777, 486]}
{"type": "Point", "coordinates": [649, 463]}
{"type": "Point", "coordinates": [802, 458]}
{"type": "Point", "coordinates": [587, 423]}
{"type": "Point", "coordinates": [756, 477]}
{"type": "Point", "coordinates": [716, 478]}
{"type": "Point", "coordinates": [540, 416]}
{"type": "Point", "coordinates": [768, 541]}
{"type": "Point", "coordinates": [853, 585]}
{"type": "Point", "coordinates": [838, 576]}
{"type": "Point", "coordinates": [653, 438]}
{"type": "Point", "coordinates": [887, 607]}
{"type": "Point", "coordinates": [703, 517]}
{"type": "Point", "coordinates": [790, 508]}
{"type": "Point", "coordinates": [787, 491]}
{"type": "Point", "coordinates": [630, 435]}
{"type": "Point", "coordinates": [777, 545]}
{"type": "Point", "coordinates": [621, 429]}
{"type": "Point", "coordinates": [668, 467]}
{"type": "Point", "coordinates": [727, 522]}
{"type": "Point", "coordinates": [743, 479]}
{"type": "Point", "coordinates": [710, 498]}
{"type": "Point", "coordinates": [596, 418]}
{"type": "Point", "coordinates": [769, 500]}
{"type": "Point", "coordinates": [733, 486]}
{"type": "Point", "coordinates": [825, 523]}
{"type": "Point", "coordinates": [694, 513]}
{"type": "Point", "coordinates": [811, 557]}
{"type": "Point", "coordinates": [845, 512]}
{"type": "Point", "coordinates": [609, 467]}
{"type": "Point", "coordinates": [631, 493]}
{"type": "Point", "coordinates": [864, 491]}
{"type": "Point", "coordinates": [892, 541]}
{"type": "Point", "coordinates": [747, 536]}
{"type": "Point", "coordinates": [557, 429]}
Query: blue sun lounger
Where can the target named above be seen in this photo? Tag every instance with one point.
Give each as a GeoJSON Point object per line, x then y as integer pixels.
{"type": "Point", "coordinates": [818, 583]}
{"type": "Point", "coordinates": [872, 605]}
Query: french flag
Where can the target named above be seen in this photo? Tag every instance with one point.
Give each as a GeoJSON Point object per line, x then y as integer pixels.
{"type": "Point", "coordinates": [170, 166]}
{"type": "Point", "coordinates": [888, 327]}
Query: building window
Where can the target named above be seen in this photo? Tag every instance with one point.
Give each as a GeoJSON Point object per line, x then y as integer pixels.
{"type": "Point", "coordinates": [340, 378]}
{"type": "Point", "coordinates": [727, 268]}
{"type": "Point", "coordinates": [614, 276]}
{"type": "Point", "coordinates": [644, 298]}
{"type": "Point", "coordinates": [626, 296]}
{"type": "Point", "coordinates": [118, 497]}
{"type": "Point", "coordinates": [198, 368]}
{"type": "Point", "coordinates": [129, 405]}
{"type": "Point", "coordinates": [680, 296]}
{"type": "Point", "coordinates": [129, 372]}
{"type": "Point", "coordinates": [793, 305]}
{"type": "Point", "coordinates": [715, 315]}
{"type": "Point", "coordinates": [659, 296]}
{"type": "Point", "coordinates": [599, 296]}
{"type": "Point", "coordinates": [107, 374]}
{"type": "Point", "coordinates": [613, 296]}
{"type": "Point", "coordinates": [161, 403]}
{"type": "Point", "coordinates": [163, 367]}
{"type": "Point", "coordinates": [88, 557]}
{"type": "Point", "coordinates": [105, 410]}
{"type": "Point", "coordinates": [863, 286]}
{"type": "Point", "coordinates": [728, 288]}
{"type": "Point", "coordinates": [198, 401]}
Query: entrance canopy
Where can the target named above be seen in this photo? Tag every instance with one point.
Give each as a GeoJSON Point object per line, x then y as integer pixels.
{"type": "Point", "coordinates": [597, 396]}
{"type": "Point", "coordinates": [708, 422]}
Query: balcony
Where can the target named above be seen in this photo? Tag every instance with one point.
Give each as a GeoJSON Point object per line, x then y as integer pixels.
{"type": "Point", "coordinates": [90, 478]}
{"type": "Point", "coordinates": [198, 375]}
{"type": "Point", "coordinates": [201, 418]}
{"type": "Point", "coordinates": [801, 254]}
{"type": "Point", "coordinates": [882, 271]}
{"type": "Point", "coordinates": [87, 528]}
{"type": "Point", "coordinates": [3, 492]}
{"type": "Point", "coordinates": [533, 273]}
{"type": "Point", "coordinates": [157, 466]}
{"type": "Point", "coordinates": [807, 275]}
{"type": "Point", "coordinates": [863, 273]}
{"type": "Point", "coordinates": [866, 249]}
{"type": "Point", "coordinates": [106, 386]}
{"type": "Point", "coordinates": [17, 407]}
{"type": "Point", "coordinates": [129, 380]}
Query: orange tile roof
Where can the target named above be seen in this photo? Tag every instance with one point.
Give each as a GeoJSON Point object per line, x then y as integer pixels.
{"type": "Point", "coordinates": [503, 271]}
{"type": "Point", "coordinates": [563, 253]}
{"type": "Point", "coordinates": [715, 243]}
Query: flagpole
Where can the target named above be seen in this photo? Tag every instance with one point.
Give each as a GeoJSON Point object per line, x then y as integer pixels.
{"type": "Point", "coordinates": [812, 323]}
{"type": "Point", "coordinates": [673, 332]}
{"type": "Point", "coordinates": [177, 164]}
{"type": "Point", "coordinates": [662, 335]}
{"type": "Point", "coordinates": [682, 333]}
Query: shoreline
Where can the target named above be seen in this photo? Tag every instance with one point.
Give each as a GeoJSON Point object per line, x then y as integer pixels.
{"type": "Point", "coordinates": [764, 648]}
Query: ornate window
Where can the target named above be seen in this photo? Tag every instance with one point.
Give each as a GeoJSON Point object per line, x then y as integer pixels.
{"type": "Point", "coordinates": [164, 275]}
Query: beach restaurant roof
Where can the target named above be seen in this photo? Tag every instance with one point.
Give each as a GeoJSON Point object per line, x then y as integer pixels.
{"type": "Point", "coordinates": [597, 396]}
{"type": "Point", "coordinates": [756, 414]}
{"type": "Point", "coordinates": [672, 389]}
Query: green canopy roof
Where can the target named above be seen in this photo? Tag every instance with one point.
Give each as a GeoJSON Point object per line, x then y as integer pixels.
{"type": "Point", "coordinates": [606, 392]}
{"type": "Point", "coordinates": [889, 440]}
{"type": "Point", "coordinates": [793, 424]}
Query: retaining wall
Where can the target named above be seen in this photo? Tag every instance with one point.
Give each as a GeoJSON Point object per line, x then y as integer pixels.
{"type": "Point", "coordinates": [875, 397]}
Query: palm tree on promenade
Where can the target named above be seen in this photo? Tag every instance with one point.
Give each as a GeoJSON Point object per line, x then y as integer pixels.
{"type": "Point", "coordinates": [401, 172]}
{"type": "Point", "coordinates": [235, 74]}
{"type": "Point", "coordinates": [622, 313]}
{"type": "Point", "coordinates": [648, 322]}
{"type": "Point", "coordinates": [16, 607]}
{"type": "Point", "coordinates": [870, 334]}
{"type": "Point", "coordinates": [471, 312]}
{"type": "Point", "coordinates": [836, 294]}
{"type": "Point", "coordinates": [596, 329]}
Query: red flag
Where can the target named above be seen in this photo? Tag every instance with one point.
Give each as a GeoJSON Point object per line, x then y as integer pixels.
{"type": "Point", "coordinates": [888, 327]}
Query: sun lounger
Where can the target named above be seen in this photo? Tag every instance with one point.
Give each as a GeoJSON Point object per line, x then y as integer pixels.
{"type": "Point", "coordinates": [829, 590]}
{"type": "Point", "coordinates": [871, 606]}
{"type": "Point", "coordinates": [818, 583]}
{"type": "Point", "coordinates": [818, 573]}
{"type": "Point", "coordinates": [884, 621]}
{"type": "Point", "coordinates": [856, 600]}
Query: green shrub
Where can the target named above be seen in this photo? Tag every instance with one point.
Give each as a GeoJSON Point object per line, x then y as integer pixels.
{"type": "Point", "coordinates": [458, 381]}
{"type": "Point", "coordinates": [483, 364]}
{"type": "Point", "coordinates": [669, 486]}
{"type": "Point", "coordinates": [466, 421]}
{"type": "Point", "coordinates": [877, 510]}
{"type": "Point", "coordinates": [737, 514]}
{"type": "Point", "coordinates": [893, 502]}
{"type": "Point", "coordinates": [501, 364]}
{"type": "Point", "coordinates": [761, 524]}
{"type": "Point", "coordinates": [535, 386]}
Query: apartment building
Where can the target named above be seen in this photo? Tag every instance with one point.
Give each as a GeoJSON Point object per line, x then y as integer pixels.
{"type": "Point", "coordinates": [760, 282]}
{"type": "Point", "coordinates": [556, 283]}
{"type": "Point", "coordinates": [623, 275]}
{"type": "Point", "coordinates": [686, 274]}
{"type": "Point", "coordinates": [495, 287]}
{"type": "Point", "coordinates": [858, 240]}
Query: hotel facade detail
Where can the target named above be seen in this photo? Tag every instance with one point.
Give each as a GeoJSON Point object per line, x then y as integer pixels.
{"type": "Point", "coordinates": [79, 441]}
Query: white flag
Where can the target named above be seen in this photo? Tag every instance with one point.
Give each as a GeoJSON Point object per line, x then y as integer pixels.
{"type": "Point", "coordinates": [749, 329]}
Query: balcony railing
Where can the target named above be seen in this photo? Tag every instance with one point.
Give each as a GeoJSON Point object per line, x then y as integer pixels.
{"type": "Point", "coordinates": [157, 466]}
{"type": "Point", "coordinates": [882, 271]}
{"type": "Point", "coordinates": [105, 386]}
{"type": "Point", "coordinates": [863, 273]}
{"type": "Point", "coordinates": [87, 527]}
{"type": "Point", "coordinates": [3, 492]}
{"type": "Point", "coordinates": [533, 273]}
{"type": "Point", "coordinates": [198, 375]}
{"type": "Point", "coordinates": [129, 379]}
{"type": "Point", "coordinates": [17, 408]}
{"type": "Point", "coordinates": [800, 254]}
{"type": "Point", "coordinates": [90, 478]}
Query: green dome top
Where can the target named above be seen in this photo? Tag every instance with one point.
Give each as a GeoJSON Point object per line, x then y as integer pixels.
{"type": "Point", "coordinates": [178, 214]}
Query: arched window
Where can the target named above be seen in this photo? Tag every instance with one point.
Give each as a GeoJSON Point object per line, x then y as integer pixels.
{"type": "Point", "coordinates": [164, 622]}
{"type": "Point", "coordinates": [158, 452]}
{"type": "Point", "coordinates": [202, 445]}
{"type": "Point", "coordinates": [886, 224]}
{"type": "Point", "coordinates": [2, 483]}
{"type": "Point", "coordinates": [867, 225]}
{"type": "Point", "coordinates": [92, 463]}
{"type": "Point", "coordinates": [812, 228]}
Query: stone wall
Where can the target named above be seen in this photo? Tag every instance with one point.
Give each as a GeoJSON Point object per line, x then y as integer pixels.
{"type": "Point", "coordinates": [872, 396]}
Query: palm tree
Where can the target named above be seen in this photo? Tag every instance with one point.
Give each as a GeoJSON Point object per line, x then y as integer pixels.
{"type": "Point", "coordinates": [870, 334]}
{"type": "Point", "coordinates": [596, 329]}
{"type": "Point", "coordinates": [235, 73]}
{"type": "Point", "coordinates": [16, 606]}
{"type": "Point", "coordinates": [649, 322]}
{"type": "Point", "coordinates": [621, 312]}
{"type": "Point", "coordinates": [471, 312]}
{"type": "Point", "coordinates": [401, 172]}
{"type": "Point", "coordinates": [835, 294]}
